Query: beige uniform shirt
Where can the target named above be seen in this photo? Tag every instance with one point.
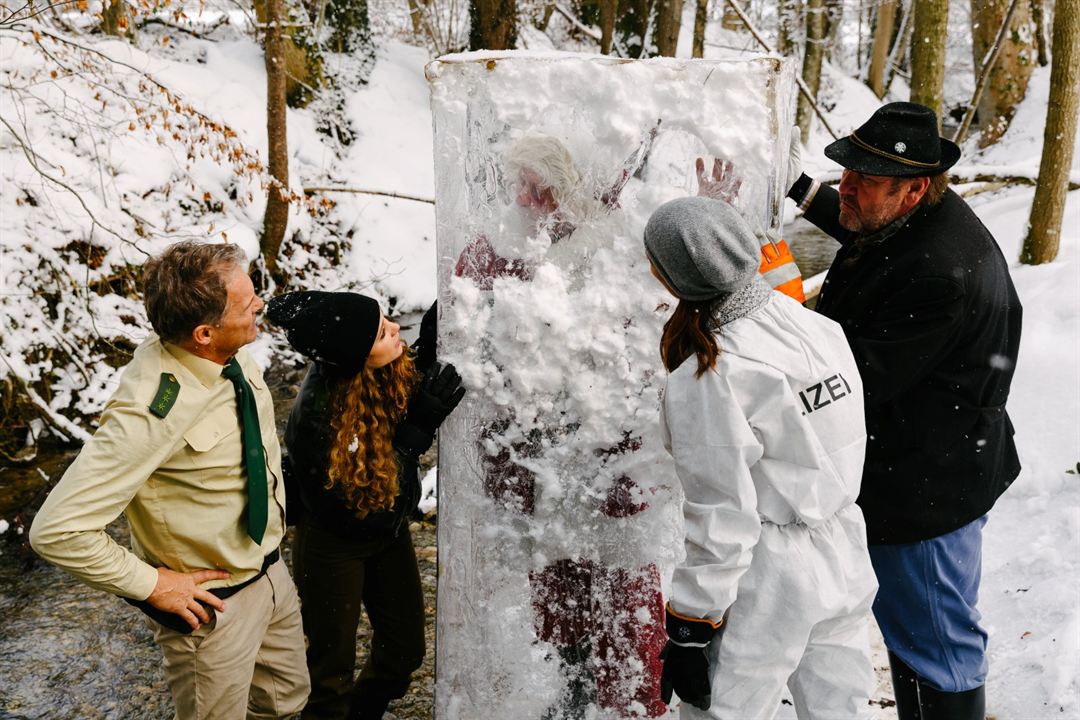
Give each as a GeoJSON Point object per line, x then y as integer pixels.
{"type": "Point", "coordinates": [178, 479]}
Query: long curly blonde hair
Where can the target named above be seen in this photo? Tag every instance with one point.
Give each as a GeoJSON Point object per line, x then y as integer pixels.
{"type": "Point", "coordinates": [366, 410]}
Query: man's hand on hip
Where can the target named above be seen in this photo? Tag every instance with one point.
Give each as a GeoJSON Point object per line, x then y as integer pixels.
{"type": "Point", "coordinates": [179, 593]}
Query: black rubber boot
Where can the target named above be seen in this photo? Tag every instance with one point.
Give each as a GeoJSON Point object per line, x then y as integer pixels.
{"type": "Point", "coordinates": [368, 704]}
{"type": "Point", "coordinates": [905, 688]}
{"type": "Point", "coordinates": [938, 705]}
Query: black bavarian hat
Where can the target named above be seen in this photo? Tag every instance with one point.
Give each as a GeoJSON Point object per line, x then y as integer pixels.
{"type": "Point", "coordinates": [899, 140]}
{"type": "Point", "coordinates": [338, 328]}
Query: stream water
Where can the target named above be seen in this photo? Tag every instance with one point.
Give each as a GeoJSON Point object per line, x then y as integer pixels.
{"type": "Point", "coordinates": [69, 652]}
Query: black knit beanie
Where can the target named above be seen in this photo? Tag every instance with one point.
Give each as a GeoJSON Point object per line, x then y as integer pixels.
{"type": "Point", "coordinates": [338, 328]}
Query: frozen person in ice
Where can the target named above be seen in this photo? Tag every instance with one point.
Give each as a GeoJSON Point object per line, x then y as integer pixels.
{"type": "Point", "coordinates": [364, 415]}
{"type": "Point", "coordinates": [551, 201]}
{"type": "Point", "coordinates": [924, 296]}
{"type": "Point", "coordinates": [605, 622]}
{"type": "Point", "coordinates": [763, 416]}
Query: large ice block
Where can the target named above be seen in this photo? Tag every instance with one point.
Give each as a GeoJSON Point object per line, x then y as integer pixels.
{"type": "Point", "coordinates": [559, 508]}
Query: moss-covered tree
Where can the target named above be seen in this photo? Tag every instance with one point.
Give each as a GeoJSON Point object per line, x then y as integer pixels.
{"type": "Point", "coordinates": [1044, 230]}
{"type": "Point", "coordinates": [1008, 80]}
{"type": "Point", "coordinates": [928, 52]}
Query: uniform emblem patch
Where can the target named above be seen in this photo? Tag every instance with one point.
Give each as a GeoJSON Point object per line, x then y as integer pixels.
{"type": "Point", "coordinates": [900, 147]}
{"type": "Point", "coordinates": [167, 392]}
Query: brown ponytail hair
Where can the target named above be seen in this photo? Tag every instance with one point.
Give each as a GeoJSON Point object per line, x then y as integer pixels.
{"type": "Point", "coordinates": [688, 332]}
{"type": "Point", "coordinates": [366, 410]}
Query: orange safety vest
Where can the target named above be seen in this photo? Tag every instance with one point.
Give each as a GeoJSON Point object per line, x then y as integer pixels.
{"type": "Point", "coordinates": [779, 269]}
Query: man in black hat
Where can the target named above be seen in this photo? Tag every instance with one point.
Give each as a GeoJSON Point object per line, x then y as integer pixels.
{"type": "Point", "coordinates": [923, 294]}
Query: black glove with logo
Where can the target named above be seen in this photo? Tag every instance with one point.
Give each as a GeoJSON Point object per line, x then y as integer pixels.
{"type": "Point", "coordinates": [438, 393]}
{"type": "Point", "coordinates": [686, 659]}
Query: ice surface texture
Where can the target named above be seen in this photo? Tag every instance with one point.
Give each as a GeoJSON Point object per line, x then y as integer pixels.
{"type": "Point", "coordinates": [559, 515]}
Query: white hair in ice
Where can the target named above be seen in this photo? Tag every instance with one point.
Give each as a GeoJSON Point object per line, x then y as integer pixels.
{"type": "Point", "coordinates": [550, 160]}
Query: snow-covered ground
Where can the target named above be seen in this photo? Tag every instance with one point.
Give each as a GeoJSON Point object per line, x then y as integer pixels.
{"type": "Point", "coordinates": [1031, 577]}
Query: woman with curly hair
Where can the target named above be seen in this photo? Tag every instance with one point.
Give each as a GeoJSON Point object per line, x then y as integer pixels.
{"type": "Point", "coordinates": [365, 413]}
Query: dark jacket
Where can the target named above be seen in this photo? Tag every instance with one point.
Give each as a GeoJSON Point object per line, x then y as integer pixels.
{"type": "Point", "coordinates": [934, 323]}
{"type": "Point", "coordinates": [307, 442]}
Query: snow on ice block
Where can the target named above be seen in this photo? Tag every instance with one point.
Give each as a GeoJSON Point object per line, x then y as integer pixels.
{"type": "Point", "coordinates": [559, 508]}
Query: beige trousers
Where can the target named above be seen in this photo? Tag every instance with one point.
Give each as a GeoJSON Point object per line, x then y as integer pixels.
{"type": "Point", "coordinates": [247, 662]}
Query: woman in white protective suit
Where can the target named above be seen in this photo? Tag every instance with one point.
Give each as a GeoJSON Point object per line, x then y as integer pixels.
{"type": "Point", "coordinates": [763, 415]}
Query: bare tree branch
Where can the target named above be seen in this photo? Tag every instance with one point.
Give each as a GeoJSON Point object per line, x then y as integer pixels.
{"type": "Point", "coordinates": [360, 191]}
{"type": "Point", "coordinates": [32, 158]}
{"type": "Point", "coordinates": [580, 26]}
{"type": "Point", "coordinates": [224, 20]}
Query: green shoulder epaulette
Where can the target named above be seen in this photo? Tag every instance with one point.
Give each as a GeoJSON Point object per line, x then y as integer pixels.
{"type": "Point", "coordinates": [167, 392]}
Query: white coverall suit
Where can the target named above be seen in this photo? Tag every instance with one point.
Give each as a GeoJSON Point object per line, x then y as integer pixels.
{"type": "Point", "coordinates": [769, 450]}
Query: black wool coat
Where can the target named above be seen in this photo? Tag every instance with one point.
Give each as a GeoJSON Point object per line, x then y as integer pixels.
{"type": "Point", "coordinates": [934, 323]}
{"type": "Point", "coordinates": [308, 435]}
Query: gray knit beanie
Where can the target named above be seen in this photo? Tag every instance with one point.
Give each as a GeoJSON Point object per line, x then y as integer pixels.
{"type": "Point", "coordinates": [703, 248]}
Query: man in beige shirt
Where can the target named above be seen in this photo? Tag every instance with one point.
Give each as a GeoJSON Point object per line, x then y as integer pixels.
{"type": "Point", "coordinates": [190, 454]}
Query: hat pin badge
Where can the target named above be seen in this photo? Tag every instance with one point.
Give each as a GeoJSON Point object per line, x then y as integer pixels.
{"type": "Point", "coordinates": [900, 147]}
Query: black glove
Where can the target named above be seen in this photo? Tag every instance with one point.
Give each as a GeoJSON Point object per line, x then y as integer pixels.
{"type": "Point", "coordinates": [427, 340]}
{"type": "Point", "coordinates": [686, 659]}
{"type": "Point", "coordinates": [436, 397]}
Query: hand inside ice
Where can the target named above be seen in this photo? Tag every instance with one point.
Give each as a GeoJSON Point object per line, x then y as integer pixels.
{"type": "Point", "coordinates": [723, 184]}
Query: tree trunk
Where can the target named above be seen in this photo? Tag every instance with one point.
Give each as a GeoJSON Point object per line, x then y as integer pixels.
{"type": "Point", "coordinates": [415, 16]}
{"type": "Point", "coordinates": [276, 218]}
{"type": "Point", "coordinates": [860, 44]}
{"type": "Point", "coordinates": [928, 53]}
{"type": "Point", "coordinates": [901, 45]}
{"type": "Point", "coordinates": [787, 39]}
{"type": "Point", "coordinates": [701, 19]}
{"type": "Point", "coordinates": [729, 20]}
{"type": "Point", "coordinates": [303, 62]}
{"type": "Point", "coordinates": [549, 10]}
{"type": "Point", "coordinates": [494, 24]}
{"type": "Point", "coordinates": [1044, 233]}
{"type": "Point", "coordinates": [879, 54]}
{"type": "Point", "coordinates": [834, 16]}
{"type": "Point", "coordinates": [668, 24]}
{"type": "Point", "coordinates": [116, 20]}
{"type": "Point", "coordinates": [1038, 16]}
{"type": "Point", "coordinates": [607, 24]}
{"type": "Point", "coordinates": [811, 69]}
{"type": "Point", "coordinates": [1008, 79]}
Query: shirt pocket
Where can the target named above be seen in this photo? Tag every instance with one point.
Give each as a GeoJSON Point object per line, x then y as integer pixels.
{"type": "Point", "coordinates": [209, 432]}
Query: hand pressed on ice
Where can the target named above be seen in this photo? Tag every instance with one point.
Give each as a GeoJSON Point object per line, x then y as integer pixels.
{"type": "Point", "coordinates": [438, 394]}
{"type": "Point", "coordinates": [723, 184]}
{"type": "Point", "coordinates": [179, 593]}
{"type": "Point", "coordinates": [428, 338]}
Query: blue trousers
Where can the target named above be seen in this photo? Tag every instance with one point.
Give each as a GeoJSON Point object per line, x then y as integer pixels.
{"type": "Point", "coordinates": [925, 606]}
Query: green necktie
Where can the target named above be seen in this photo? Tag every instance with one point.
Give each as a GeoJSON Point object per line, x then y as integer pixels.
{"type": "Point", "coordinates": [254, 458]}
